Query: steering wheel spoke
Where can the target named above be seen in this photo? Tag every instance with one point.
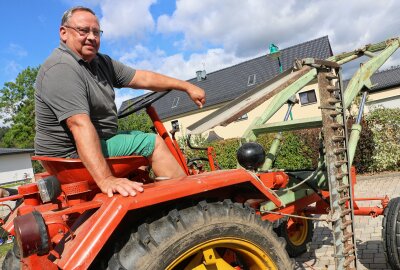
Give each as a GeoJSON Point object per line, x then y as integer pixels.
{"type": "Point", "coordinates": [141, 103]}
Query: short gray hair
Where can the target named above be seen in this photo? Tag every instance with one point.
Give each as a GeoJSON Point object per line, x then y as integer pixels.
{"type": "Point", "coordinates": [68, 14]}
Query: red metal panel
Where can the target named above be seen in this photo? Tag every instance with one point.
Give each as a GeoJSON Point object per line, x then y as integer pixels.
{"type": "Point", "coordinates": [174, 149]}
{"type": "Point", "coordinates": [72, 170]}
{"type": "Point", "coordinates": [92, 235]}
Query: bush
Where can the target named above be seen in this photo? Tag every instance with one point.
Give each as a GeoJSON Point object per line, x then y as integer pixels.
{"type": "Point", "coordinates": [365, 148]}
{"type": "Point", "coordinates": [226, 152]}
{"type": "Point", "coordinates": [294, 153]}
{"type": "Point", "coordinates": [136, 121]}
{"type": "Point", "coordinates": [385, 126]}
{"type": "Point", "coordinates": [310, 138]}
{"type": "Point", "coordinates": [378, 148]}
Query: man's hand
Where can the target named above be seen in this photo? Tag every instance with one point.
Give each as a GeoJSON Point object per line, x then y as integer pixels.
{"type": "Point", "coordinates": [89, 150]}
{"type": "Point", "coordinates": [154, 81]}
{"type": "Point", "coordinates": [196, 94]}
{"type": "Point", "coordinates": [123, 186]}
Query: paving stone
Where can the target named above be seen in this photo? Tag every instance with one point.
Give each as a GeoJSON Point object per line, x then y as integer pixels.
{"type": "Point", "coordinates": [380, 260]}
{"type": "Point", "coordinates": [367, 229]}
{"type": "Point", "coordinates": [378, 266]}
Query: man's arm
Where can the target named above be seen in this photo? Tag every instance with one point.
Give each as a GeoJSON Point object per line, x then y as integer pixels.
{"type": "Point", "coordinates": [154, 81]}
{"type": "Point", "coordinates": [89, 151]}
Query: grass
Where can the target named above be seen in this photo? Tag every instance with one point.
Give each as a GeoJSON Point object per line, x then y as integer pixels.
{"type": "Point", "coordinates": [15, 184]}
{"type": "Point", "coordinates": [4, 249]}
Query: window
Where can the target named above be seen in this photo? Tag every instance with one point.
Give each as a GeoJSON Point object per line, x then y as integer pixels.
{"type": "Point", "coordinates": [175, 102]}
{"type": "Point", "coordinates": [243, 117]}
{"type": "Point", "coordinates": [252, 80]}
{"type": "Point", "coordinates": [308, 97]}
{"type": "Point", "coordinates": [175, 125]}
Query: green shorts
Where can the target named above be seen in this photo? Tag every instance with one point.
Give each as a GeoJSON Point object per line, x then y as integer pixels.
{"type": "Point", "coordinates": [127, 143]}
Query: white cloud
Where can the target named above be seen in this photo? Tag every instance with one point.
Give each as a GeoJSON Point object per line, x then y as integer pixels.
{"type": "Point", "coordinates": [247, 27]}
{"type": "Point", "coordinates": [176, 65]}
{"type": "Point", "coordinates": [16, 50]}
{"type": "Point", "coordinates": [124, 94]}
{"type": "Point", "coordinates": [126, 18]}
{"type": "Point", "coordinates": [219, 34]}
{"type": "Point", "coordinates": [11, 69]}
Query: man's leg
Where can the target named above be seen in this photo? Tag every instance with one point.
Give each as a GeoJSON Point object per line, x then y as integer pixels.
{"type": "Point", "coordinates": [149, 145]}
{"type": "Point", "coordinates": [163, 162]}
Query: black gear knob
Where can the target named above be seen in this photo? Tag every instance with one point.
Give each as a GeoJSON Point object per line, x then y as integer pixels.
{"type": "Point", "coordinates": [251, 155]}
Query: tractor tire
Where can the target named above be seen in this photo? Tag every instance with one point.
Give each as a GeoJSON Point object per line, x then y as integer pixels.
{"type": "Point", "coordinates": [391, 233]}
{"type": "Point", "coordinates": [12, 259]}
{"type": "Point", "coordinates": [207, 236]}
{"type": "Point", "coordinates": [297, 233]}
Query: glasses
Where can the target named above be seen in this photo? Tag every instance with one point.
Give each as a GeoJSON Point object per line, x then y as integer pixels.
{"type": "Point", "coordinates": [84, 32]}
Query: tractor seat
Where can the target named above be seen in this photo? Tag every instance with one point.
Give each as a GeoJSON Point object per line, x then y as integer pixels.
{"type": "Point", "coordinates": [69, 170]}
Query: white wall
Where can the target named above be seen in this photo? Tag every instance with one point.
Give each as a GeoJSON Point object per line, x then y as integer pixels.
{"type": "Point", "coordinates": [15, 167]}
{"type": "Point", "coordinates": [387, 99]}
{"type": "Point", "coordinates": [390, 103]}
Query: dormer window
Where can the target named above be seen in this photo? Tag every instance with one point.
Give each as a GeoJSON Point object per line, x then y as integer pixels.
{"type": "Point", "coordinates": [175, 102]}
{"type": "Point", "coordinates": [252, 80]}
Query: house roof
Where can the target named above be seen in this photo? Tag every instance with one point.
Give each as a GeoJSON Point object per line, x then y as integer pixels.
{"type": "Point", "coordinates": [226, 84]}
{"type": "Point", "coordinates": [386, 79]}
{"type": "Point", "coordinates": [11, 151]}
{"type": "Point", "coordinates": [382, 80]}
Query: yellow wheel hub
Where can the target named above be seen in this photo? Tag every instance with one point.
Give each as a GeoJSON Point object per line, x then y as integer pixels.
{"type": "Point", "coordinates": [297, 229]}
{"type": "Point", "coordinates": [219, 254]}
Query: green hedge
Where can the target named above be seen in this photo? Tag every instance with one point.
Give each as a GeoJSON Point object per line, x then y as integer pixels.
{"type": "Point", "coordinates": [378, 148]}
{"type": "Point", "coordinates": [294, 152]}
{"type": "Point", "coordinates": [385, 127]}
{"type": "Point", "coordinates": [365, 149]}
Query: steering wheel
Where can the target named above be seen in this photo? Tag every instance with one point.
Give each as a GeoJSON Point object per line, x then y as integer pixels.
{"type": "Point", "coordinates": [141, 103]}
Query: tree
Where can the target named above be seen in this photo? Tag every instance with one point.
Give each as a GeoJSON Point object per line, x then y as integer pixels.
{"type": "Point", "coordinates": [17, 109]}
{"type": "Point", "coordinates": [3, 131]}
{"type": "Point", "coordinates": [136, 121]}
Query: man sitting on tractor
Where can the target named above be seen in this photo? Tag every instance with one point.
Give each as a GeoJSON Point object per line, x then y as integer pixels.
{"type": "Point", "coordinates": [76, 115]}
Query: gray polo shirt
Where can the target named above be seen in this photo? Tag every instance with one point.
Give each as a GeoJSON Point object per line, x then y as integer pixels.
{"type": "Point", "coordinates": [67, 85]}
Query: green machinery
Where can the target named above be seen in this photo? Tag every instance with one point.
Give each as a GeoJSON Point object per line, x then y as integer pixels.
{"type": "Point", "coordinates": [337, 152]}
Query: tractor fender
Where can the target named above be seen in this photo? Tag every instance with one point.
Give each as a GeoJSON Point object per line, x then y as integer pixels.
{"type": "Point", "coordinates": [92, 234]}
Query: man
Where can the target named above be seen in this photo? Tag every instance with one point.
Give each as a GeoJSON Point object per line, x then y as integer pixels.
{"type": "Point", "coordinates": [75, 110]}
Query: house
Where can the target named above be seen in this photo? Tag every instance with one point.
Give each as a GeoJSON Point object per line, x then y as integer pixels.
{"type": "Point", "coordinates": [222, 86]}
{"type": "Point", "coordinates": [15, 165]}
{"type": "Point", "coordinates": [386, 89]}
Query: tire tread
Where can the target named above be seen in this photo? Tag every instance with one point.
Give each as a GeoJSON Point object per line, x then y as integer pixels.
{"type": "Point", "coordinates": [160, 237]}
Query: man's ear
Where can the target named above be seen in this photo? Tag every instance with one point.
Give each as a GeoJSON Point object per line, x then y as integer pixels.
{"type": "Point", "coordinates": [63, 34]}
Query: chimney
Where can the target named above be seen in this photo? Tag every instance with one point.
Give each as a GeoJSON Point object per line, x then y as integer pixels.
{"type": "Point", "coordinates": [198, 75]}
{"type": "Point", "coordinates": [201, 75]}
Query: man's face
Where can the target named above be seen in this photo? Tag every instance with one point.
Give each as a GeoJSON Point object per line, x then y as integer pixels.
{"type": "Point", "coordinates": [81, 34]}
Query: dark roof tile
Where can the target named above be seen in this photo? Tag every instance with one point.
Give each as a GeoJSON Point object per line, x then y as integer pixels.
{"type": "Point", "coordinates": [226, 84]}
{"type": "Point", "coordinates": [383, 79]}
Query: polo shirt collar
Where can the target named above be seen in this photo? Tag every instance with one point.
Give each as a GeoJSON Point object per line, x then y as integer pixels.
{"type": "Point", "coordinates": [65, 48]}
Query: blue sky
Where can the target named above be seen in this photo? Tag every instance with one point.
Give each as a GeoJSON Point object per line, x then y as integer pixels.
{"type": "Point", "coordinates": [179, 37]}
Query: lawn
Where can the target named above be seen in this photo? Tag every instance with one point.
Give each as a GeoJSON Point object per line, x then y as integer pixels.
{"type": "Point", "coordinates": [4, 248]}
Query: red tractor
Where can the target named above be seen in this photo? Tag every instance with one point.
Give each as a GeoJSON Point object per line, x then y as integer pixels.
{"type": "Point", "coordinates": [201, 221]}
{"type": "Point", "coordinates": [221, 219]}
